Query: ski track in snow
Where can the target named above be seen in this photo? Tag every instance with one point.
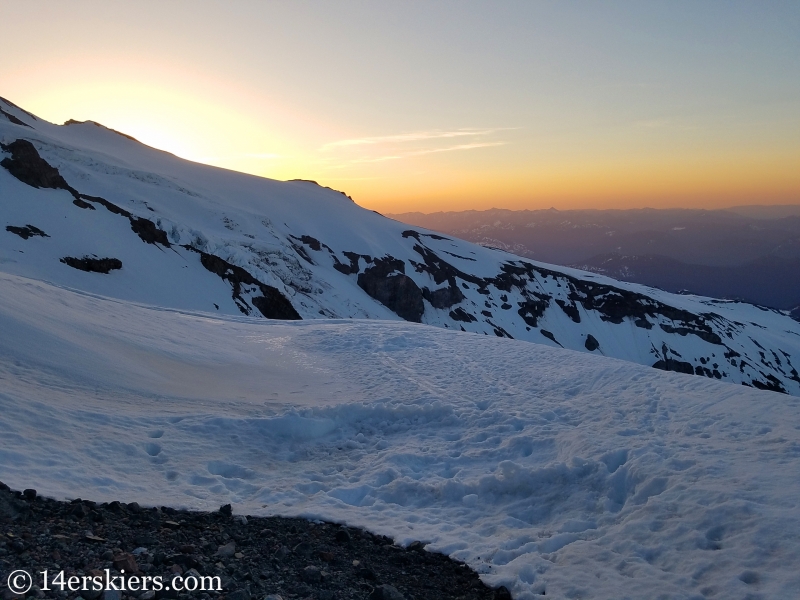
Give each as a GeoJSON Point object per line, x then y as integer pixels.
{"type": "Point", "coordinates": [546, 470]}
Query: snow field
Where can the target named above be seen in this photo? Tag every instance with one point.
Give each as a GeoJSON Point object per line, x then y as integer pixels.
{"type": "Point", "coordinates": [546, 470]}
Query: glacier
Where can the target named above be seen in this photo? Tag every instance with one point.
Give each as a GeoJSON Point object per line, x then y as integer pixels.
{"type": "Point", "coordinates": [186, 235]}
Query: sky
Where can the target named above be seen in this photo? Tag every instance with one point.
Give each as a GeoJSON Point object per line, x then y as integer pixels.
{"type": "Point", "coordinates": [428, 106]}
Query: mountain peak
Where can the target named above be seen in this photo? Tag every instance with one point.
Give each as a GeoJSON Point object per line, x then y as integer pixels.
{"type": "Point", "coordinates": [96, 124]}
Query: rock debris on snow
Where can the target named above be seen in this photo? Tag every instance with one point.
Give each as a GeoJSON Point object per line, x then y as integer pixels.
{"type": "Point", "coordinates": [42, 534]}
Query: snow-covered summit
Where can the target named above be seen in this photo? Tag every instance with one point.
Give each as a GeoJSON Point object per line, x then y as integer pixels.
{"type": "Point", "coordinates": [90, 208]}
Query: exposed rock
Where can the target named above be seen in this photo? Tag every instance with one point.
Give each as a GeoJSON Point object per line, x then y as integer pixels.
{"type": "Point", "coordinates": [532, 310]}
{"type": "Point", "coordinates": [262, 571]}
{"type": "Point", "coordinates": [26, 232]}
{"type": "Point", "coordinates": [591, 343]}
{"type": "Point", "coordinates": [110, 206]}
{"type": "Point", "coordinates": [12, 118]}
{"type": "Point", "coordinates": [387, 283]}
{"type": "Point", "coordinates": [459, 314]}
{"type": "Point", "coordinates": [26, 165]}
{"type": "Point", "coordinates": [303, 549]}
{"type": "Point", "coordinates": [227, 550]}
{"type": "Point", "coordinates": [440, 269]}
{"type": "Point", "coordinates": [443, 297]}
{"type": "Point", "coordinates": [670, 364]}
{"type": "Point", "coordinates": [311, 242]}
{"type": "Point", "coordinates": [570, 309]}
{"type": "Point", "coordinates": [350, 269]}
{"type": "Point", "coordinates": [312, 574]}
{"type": "Point", "coordinates": [549, 336]}
{"type": "Point", "coordinates": [93, 265]}
{"type": "Point", "coordinates": [301, 251]}
{"type": "Point", "coordinates": [416, 235]}
{"type": "Point", "coordinates": [342, 537]}
{"type": "Point", "coordinates": [10, 507]}
{"type": "Point", "coordinates": [771, 384]}
{"type": "Point", "coordinates": [502, 593]}
{"type": "Point", "coordinates": [386, 592]}
{"type": "Point", "coordinates": [148, 231]}
{"type": "Point", "coordinates": [82, 204]}
{"type": "Point", "coordinates": [272, 304]}
{"type": "Point", "coordinates": [703, 334]}
{"type": "Point", "coordinates": [126, 562]}
{"type": "Point", "coordinates": [239, 595]}
{"type": "Point", "coordinates": [20, 109]}
{"type": "Point", "coordinates": [96, 124]}
{"type": "Point", "coordinates": [322, 186]}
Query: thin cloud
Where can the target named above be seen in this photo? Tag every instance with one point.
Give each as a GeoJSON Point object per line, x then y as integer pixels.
{"type": "Point", "coordinates": [460, 147]}
{"type": "Point", "coordinates": [428, 151]}
{"type": "Point", "coordinates": [417, 136]}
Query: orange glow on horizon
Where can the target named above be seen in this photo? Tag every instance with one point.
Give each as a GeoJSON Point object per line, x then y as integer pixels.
{"type": "Point", "coordinates": [418, 107]}
{"type": "Point", "coordinates": [215, 121]}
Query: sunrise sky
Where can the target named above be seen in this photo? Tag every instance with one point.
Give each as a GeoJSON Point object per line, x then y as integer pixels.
{"type": "Point", "coordinates": [427, 106]}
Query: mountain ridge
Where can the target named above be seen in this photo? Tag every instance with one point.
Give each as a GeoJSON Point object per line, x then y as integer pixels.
{"type": "Point", "coordinates": [216, 240]}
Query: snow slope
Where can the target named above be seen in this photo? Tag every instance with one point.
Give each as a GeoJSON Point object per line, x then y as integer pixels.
{"type": "Point", "coordinates": [547, 470]}
{"type": "Point", "coordinates": [194, 237]}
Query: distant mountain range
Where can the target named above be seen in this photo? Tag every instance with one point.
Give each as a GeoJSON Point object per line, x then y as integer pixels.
{"type": "Point", "coordinates": [749, 253]}
{"type": "Point", "coordinates": [88, 208]}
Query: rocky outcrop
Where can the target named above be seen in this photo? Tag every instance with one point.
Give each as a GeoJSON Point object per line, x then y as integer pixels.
{"type": "Point", "coordinates": [26, 232]}
{"type": "Point", "coordinates": [93, 264]}
{"type": "Point", "coordinates": [347, 269]}
{"type": "Point", "coordinates": [533, 310]}
{"type": "Point", "coordinates": [96, 124]}
{"type": "Point", "coordinates": [274, 557]}
{"type": "Point", "coordinates": [444, 297]}
{"type": "Point", "coordinates": [148, 232]}
{"type": "Point", "coordinates": [26, 165]}
{"type": "Point", "coordinates": [13, 119]}
{"type": "Point", "coordinates": [459, 314]}
{"type": "Point", "coordinates": [678, 366]}
{"type": "Point", "coordinates": [29, 167]}
{"type": "Point", "coordinates": [270, 303]}
{"type": "Point", "coordinates": [549, 335]}
{"type": "Point", "coordinates": [387, 283]}
{"type": "Point", "coordinates": [591, 343]}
